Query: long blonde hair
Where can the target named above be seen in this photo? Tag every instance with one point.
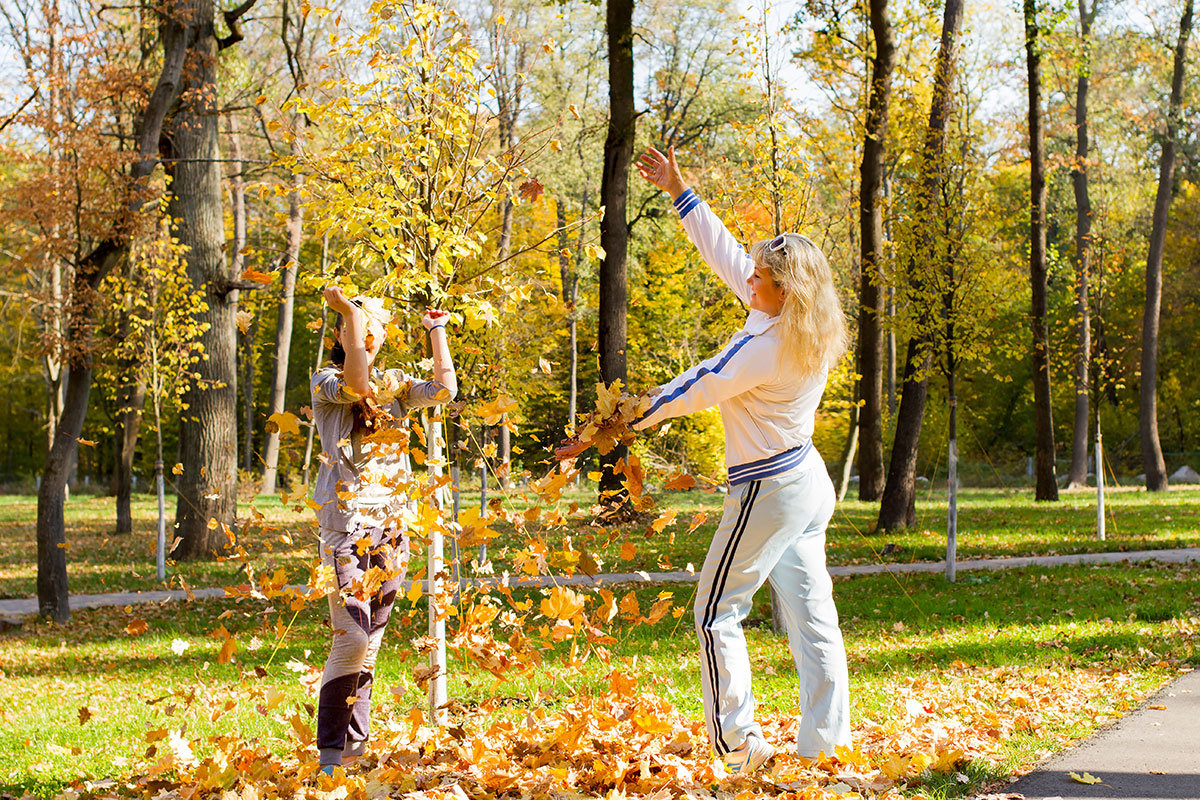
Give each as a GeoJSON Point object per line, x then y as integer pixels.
{"type": "Point", "coordinates": [811, 326]}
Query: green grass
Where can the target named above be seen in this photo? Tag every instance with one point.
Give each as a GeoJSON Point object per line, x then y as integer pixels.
{"type": "Point", "coordinates": [994, 631]}
{"type": "Point", "coordinates": [992, 523]}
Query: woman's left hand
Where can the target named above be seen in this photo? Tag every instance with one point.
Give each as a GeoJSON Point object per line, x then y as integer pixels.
{"type": "Point", "coordinates": [435, 318]}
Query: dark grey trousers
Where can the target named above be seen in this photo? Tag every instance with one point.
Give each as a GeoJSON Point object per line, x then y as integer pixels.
{"type": "Point", "coordinates": [369, 565]}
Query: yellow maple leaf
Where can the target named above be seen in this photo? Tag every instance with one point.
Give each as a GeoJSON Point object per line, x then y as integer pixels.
{"type": "Point", "coordinates": [414, 592]}
{"type": "Point", "coordinates": [286, 422]}
{"type": "Point", "coordinates": [1086, 777]}
{"type": "Point", "coordinates": [562, 603]}
{"type": "Point", "coordinates": [494, 411]}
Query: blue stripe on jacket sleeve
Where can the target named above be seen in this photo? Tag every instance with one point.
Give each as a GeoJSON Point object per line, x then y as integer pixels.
{"type": "Point", "coordinates": [660, 402]}
{"type": "Point", "coordinates": [686, 202]}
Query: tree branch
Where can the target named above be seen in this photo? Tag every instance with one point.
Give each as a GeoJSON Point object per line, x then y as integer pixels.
{"type": "Point", "coordinates": [233, 18]}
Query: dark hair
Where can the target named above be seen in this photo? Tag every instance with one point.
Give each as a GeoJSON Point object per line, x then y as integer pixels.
{"type": "Point", "coordinates": [337, 353]}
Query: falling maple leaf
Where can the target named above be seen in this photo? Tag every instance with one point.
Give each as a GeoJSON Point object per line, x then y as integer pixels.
{"type": "Point", "coordinates": [531, 190]}
{"type": "Point", "coordinates": [494, 411]}
{"type": "Point", "coordinates": [254, 276]}
{"type": "Point", "coordinates": [680, 481]}
{"type": "Point", "coordinates": [137, 627]}
{"type": "Point", "coordinates": [285, 422]}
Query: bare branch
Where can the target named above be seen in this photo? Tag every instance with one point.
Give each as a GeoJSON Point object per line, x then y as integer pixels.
{"type": "Point", "coordinates": [233, 18]}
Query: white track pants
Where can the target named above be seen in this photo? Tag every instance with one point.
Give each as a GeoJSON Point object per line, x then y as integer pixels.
{"type": "Point", "coordinates": [773, 529]}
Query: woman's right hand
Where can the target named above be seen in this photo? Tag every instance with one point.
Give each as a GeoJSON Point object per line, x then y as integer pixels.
{"type": "Point", "coordinates": [662, 171]}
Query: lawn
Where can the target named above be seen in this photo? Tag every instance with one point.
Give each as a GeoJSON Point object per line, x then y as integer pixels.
{"type": "Point", "coordinates": [1000, 666]}
{"type": "Point", "coordinates": [992, 523]}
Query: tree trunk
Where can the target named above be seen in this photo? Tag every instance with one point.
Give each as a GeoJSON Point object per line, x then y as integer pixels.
{"type": "Point", "coordinates": [1152, 458]}
{"type": "Point", "coordinates": [208, 429]}
{"type": "Point", "coordinates": [133, 399]}
{"type": "Point", "coordinates": [1047, 484]}
{"type": "Point", "coordinates": [245, 350]}
{"type": "Point", "coordinates": [897, 507]}
{"type": "Point", "coordinates": [1077, 475]}
{"type": "Point", "coordinates": [53, 599]}
{"type": "Point", "coordinates": [308, 445]}
{"type": "Point", "coordinates": [848, 454]}
{"type": "Point", "coordinates": [871, 309]}
{"type": "Point", "coordinates": [246, 371]}
{"type": "Point", "coordinates": [614, 227]}
{"type": "Point", "coordinates": [569, 281]}
{"type": "Point", "coordinates": [283, 324]}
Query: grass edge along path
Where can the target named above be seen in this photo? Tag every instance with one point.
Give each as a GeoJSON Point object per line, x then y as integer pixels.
{"type": "Point", "coordinates": [28, 605]}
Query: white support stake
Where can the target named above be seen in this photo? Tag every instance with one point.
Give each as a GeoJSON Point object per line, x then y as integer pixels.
{"type": "Point", "coordinates": [434, 584]}
{"type": "Point", "coordinates": [160, 555]}
{"type": "Point", "coordinates": [952, 516]}
{"type": "Point", "coordinates": [1099, 483]}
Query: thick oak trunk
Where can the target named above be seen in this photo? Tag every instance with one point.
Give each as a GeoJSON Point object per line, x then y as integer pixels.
{"type": "Point", "coordinates": [614, 227]}
{"type": "Point", "coordinates": [208, 428]}
{"type": "Point", "coordinates": [52, 592]}
{"type": "Point", "coordinates": [1152, 458]}
{"type": "Point", "coordinates": [871, 290]}
{"type": "Point", "coordinates": [1047, 484]}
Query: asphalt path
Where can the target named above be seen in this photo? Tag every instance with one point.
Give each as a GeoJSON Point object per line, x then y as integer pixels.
{"type": "Point", "coordinates": [1152, 753]}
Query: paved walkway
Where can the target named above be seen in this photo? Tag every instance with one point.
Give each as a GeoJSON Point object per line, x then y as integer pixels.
{"type": "Point", "coordinates": [28, 605]}
{"type": "Point", "coordinates": [1153, 752]}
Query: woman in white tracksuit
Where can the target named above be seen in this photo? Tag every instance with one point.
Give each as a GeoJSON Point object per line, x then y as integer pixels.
{"type": "Point", "coordinates": [767, 382]}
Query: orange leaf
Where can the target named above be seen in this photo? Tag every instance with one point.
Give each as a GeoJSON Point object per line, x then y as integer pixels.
{"type": "Point", "coordinates": [680, 482]}
{"type": "Point", "coordinates": [254, 276]}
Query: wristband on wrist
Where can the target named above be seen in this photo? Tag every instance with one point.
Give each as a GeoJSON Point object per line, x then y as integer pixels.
{"type": "Point", "coordinates": [438, 325]}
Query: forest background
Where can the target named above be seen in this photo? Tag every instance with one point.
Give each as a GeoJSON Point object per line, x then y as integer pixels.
{"type": "Point", "coordinates": [165, 241]}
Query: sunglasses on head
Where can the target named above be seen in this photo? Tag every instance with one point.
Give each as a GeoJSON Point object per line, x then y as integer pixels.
{"type": "Point", "coordinates": [780, 241]}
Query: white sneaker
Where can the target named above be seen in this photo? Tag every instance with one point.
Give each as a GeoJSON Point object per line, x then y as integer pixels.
{"type": "Point", "coordinates": [753, 753]}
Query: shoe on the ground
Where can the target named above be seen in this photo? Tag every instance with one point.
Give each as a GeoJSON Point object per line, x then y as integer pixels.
{"type": "Point", "coordinates": [753, 753]}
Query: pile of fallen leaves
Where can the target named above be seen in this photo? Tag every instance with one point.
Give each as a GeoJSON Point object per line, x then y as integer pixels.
{"type": "Point", "coordinates": [625, 742]}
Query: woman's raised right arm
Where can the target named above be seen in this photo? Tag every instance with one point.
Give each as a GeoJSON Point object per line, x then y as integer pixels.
{"type": "Point", "coordinates": [716, 244]}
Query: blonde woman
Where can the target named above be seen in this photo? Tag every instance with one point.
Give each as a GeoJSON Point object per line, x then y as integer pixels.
{"type": "Point", "coordinates": [767, 382]}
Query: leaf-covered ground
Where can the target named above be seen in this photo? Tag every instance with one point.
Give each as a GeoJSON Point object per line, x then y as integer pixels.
{"type": "Point", "coordinates": [952, 687]}
{"type": "Point", "coordinates": [993, 523]}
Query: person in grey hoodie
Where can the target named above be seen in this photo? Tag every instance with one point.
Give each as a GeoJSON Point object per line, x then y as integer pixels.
{"type": "Point", "coordinates": [358, 409]}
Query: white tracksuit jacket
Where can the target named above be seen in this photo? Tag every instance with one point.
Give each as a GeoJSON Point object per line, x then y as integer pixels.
{"type": "Point", "coordinates": [768, 414]}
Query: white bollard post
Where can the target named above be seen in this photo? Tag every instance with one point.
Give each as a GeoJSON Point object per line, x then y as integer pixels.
{"type": "Point", "coordinates": [952, 516]}
{"type": "Point", "coordinates": [1099, 483]}
{"type": "Point", "coordinates": [161, 554]}
{"type": "Point", "coordinates": [434, 584]}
